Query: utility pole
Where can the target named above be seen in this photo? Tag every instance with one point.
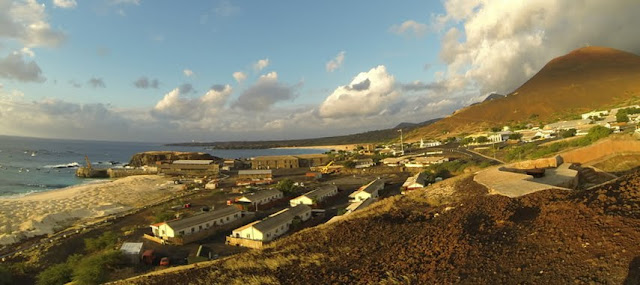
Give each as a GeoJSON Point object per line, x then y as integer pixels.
{"type": "Point", "coordinates": [401, 142]}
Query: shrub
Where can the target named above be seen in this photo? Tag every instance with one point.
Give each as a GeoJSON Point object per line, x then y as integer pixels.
{"type": "Point", "coordinates": [106, 241]}
{"type": "Point", "coordinates": [56, 274]}
{"type": "Point", "coordinates": [286, 186]}
{"type": "Point", "coordinates": [5, 276]}
{"type": "Point", "coordinates": [568, 133]}
{"type": "Point", "coordinates": [515, 136]}
{"type": "Point", "coordinates": [350, 164]}
{"type": "Point", "coordinates": [95, 268]}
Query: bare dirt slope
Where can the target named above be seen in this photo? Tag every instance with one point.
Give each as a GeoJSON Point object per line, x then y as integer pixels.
{"type": "Point", "coordinates": [586, 79]}
{"type": "Point", "coordinates": [548, 237]}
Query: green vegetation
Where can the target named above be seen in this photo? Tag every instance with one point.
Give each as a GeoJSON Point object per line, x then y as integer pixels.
{"type": "Point", "coordinates": [286, 186]}
{"type": "Point", "coordinates": [623, 114]}
{"type": "Point", "coordinates": [107, 240]}
{"type": "Point", "coordinates": [94, 269]}
{"type": "Point", "coordinates": [515, 136]}
{"type": "Point", "coordinates": [452, 168]}
{"type": "Point", "coordinates": [163, 214]}
{"type": "Point", "coordinates": [482, 139]}
{"type": "Point", "coordinates": [350, 164]}
{"type": "Point", "coordinates": [532, 151]}
{"type": "Point", "coordinates": [567, 133]}
{"type": "Point", "coordinates": [6, 278]}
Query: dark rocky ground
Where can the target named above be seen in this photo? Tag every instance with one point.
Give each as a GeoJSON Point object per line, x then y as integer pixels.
{"type": "Point", "coordinates": [549, 237]}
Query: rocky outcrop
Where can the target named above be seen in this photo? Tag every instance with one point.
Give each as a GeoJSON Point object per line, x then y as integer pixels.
{"type": "Point", "coordinates": [151, 157]}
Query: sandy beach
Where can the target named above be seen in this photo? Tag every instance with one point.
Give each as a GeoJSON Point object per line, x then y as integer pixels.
{"type": "Point", "coordinates": [46, 212]}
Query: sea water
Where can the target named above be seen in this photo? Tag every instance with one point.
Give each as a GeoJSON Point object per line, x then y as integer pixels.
{"type": "Point", "coordinates": [32, 165]}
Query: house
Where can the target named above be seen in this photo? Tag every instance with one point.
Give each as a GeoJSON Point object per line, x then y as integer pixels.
{"type": "Point", "coordinates": [192, 168]}
{"type": "Point", "coordinates": [274, 162]}
{"type": "Point", "coordinates": [231, 164]}
{"type": "Point", "coordinates": [261, 197]}
{"type": "Point", "coordinates": [426, 161]}
{"type": "Point", "coordinates": [359, 205]}
{"type": "Point", "coordinates": [254, 177]}
{"type": "Point", "coordinates": [364, 163]}
{"type": "Point", "coordinates": [596, 114]}
{"type": "Point", "coordinates": [273, 226]}
{"type": "Point", "coordinates": [315, 196]}
{"type": "Point", "coordinates": [368, 191]}
{"type": "Point", "coordinates": [566, 125]}
{"type": "Point", "coordinates": [311, 160]}
{"type": "Point", "coordinates": [132, 251]}
{"type": "Point", "coordinates": [499, 136]}
{"type": "Point", "coordinates": [195, 224]}
{"type": "Point", "coordinates": [415, 182]}
{"type": "Point", "coordinates": [393, 161]}
{"type": "Point", "coordinates": [426, 144]}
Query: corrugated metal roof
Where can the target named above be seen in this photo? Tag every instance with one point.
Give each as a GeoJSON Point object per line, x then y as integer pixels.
{"type": "Point", "coordinates": [320, 191]}
{"type": "Point", "coordinates": [177, 225]}
{"type": "Point", "coordinates": [282, 218]}
{"type": "Point", "coordinates": [262, 194]}
{"type": "Point", "coordinates": [256, 171]}
{"type": "Point", "coordinates": [193, 161]}
{"type": "Point", "coordinates": [131, 247]}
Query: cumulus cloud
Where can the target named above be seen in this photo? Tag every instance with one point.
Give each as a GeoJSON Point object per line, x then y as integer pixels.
{"type": "Point", "coordinates": [65, 4]}
{"type": "Point", "coordinates": [409, 28]}
{"type": "Point", "coordinates": [145, 83]}
{"type": "Point", "coordinates": [372, 92]}
{"type": "Point", "coordinates": [96, 82]}
{"type": "Point", "coordinates": [26, 22]}
{"type": "Point", "coordinates": [239, 76]}
{"type": "Point", "coordinates": [264, 93]}
{"type": "Point", "coordinates": [188, 72]}
{"type": "Point", "coordinates": [174, 105]}
{"type": "Point", "coordinates": [14, 66]}
{"type": "Point", "coordinates": [336, 62]}
{"type": "Point", "coordinates": [261, 64]}
{"type": "Point", "coordinates": [501, 44]}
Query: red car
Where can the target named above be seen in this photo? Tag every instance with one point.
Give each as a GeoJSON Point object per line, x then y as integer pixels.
{"type": "Point", "coordinates": [164, 261]}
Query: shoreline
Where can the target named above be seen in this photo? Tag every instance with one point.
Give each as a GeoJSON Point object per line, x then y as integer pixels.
{"type": "Point", "coordinates": [47, 212]}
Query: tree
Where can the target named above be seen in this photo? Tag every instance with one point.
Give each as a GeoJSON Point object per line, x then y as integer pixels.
{"type": "Point", "coordinates": [568, 133]}
{"type": "Point", "coordinates": [515, 136]}
{"type": "Point", "coordinates": [622, 117]}
{"type": "Point", "coordinates": [287, 186]}
{"type": "Point", "coordinates": [6, 277]}
{"type": "Point", "coordinates": [56, 274]}
{"type": "Point", "coordinates": [350, 164]}
{"type": "Point", "coordinates": [482, 139]}
{"type": "Point", "coordinates": [466, 140]}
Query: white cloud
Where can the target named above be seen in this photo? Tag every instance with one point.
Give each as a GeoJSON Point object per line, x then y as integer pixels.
{"type": "Point", "coordinates": [175, 106]}
{"type": "Point", "coordinates": [26, 22]}
{"type": "Point", "coordinates": [369, 93]}
{"type": "Point", "coordinates": [261, 64]}
{"type": "Point", "coordinates": [239, 76]}
{"type": "Point", "coordinates": [409, 28]}
{"type": "Point", "coordinates": [264, 93]}
{"type": "Point", "coordinates": [65, 4]}
{"type": "Point", "coordinates": [503, 43]}
{"type": "Point", "coordinates": [336, 62]}
{"type": "Point", "coordinates": [188, 72]}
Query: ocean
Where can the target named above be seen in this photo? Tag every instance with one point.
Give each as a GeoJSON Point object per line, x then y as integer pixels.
{"type": "Point", "coordinates": [32, 165]}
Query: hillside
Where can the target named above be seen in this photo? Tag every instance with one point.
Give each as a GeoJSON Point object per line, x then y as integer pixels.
{"type": "Point", "coordinates": [585, 79]}
{"type": "Point", "coordinates": [377, 136]}
{"type": "Point", "coordinates": [453, 232]}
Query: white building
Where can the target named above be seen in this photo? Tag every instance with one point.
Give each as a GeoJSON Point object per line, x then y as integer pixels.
{"type": "Point", "coordinates": [357, 206]}
{"type": "Point", "coordinates": [273, 226]}
{"type": "Point", "coordinates": [195, 224]}
{"type": "Point", "coordinates": [415, 182]}
{"type": "Point", "coordinates": [596, 114]}
{"type": "Point", "coordinates": [426, 144]}
{"type": "Point", "coordinates": [368, 191]}
{"type": "Point", "coordinates": [315, 196]}
{"type": "Point", "coordinates": [261, 197]}
{"type": "Point", "coordinates": [426, 161]}
{"type": "Point", "coordinates": [364, 163]}
{"type": "Point", "coordinates": [499, 137]}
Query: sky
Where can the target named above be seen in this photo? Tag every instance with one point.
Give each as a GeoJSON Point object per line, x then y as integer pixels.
{"type": "Point", "coordinates": [172, 71]}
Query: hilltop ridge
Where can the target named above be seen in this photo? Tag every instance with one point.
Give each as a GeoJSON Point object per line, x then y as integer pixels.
{"type": "Point", "coordinates": [583, 80]}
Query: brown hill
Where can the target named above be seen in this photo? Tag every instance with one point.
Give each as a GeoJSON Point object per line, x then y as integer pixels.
{"type": "Point", "coordinates": [548, 237]}
{"type": "Point", "coordinates": [585, 79]}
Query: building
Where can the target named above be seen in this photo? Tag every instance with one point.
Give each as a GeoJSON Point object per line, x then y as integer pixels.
{"type": "Point", "coordinates": [231, 164]}
{"type": "Point", "coordinates": [426, 161]}
{"type": "Point", "coordinates": [311, 160]}
{"type": "Point", "coordinates": [364, 163]}
{"type": "Point", "coordinates": [359, 205]}
{"type": "Point", "coordinates": [132, 251]}
{"type": "Point", "coordinates": [315, 196]}
{"type": "Point", "coordinates": [254, 177]}
{"type": "Point", "coordinates": [275, 162]}
{"type": "Point", "coordinates": [499, 136]}
{"type": "Point", "coordinates": [566, 125]}
{"type": "Point", "coordinates": [415, 182]}
{"type": "Point", "coordinates": [596, 114]}
{"type": "Point", "coordinates": [195, 224]}
{"type": "Point", "coordinates": [261, 197]}
{"type": "Point", "coordinates": [191, 168]}
{"type": "Point", "coordinates": [426, 144]}
{"type": "Point", "coordinates": [368, 191]}
{"type": "Point", "coordinates": [273, 226]}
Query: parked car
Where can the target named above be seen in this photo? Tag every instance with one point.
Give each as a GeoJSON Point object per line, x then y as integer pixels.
{"type": "Point", "coordinates": [164, 261]}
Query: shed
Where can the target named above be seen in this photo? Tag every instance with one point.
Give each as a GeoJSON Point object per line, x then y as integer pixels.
{"type": "Point", "coordinates": [132, 251]}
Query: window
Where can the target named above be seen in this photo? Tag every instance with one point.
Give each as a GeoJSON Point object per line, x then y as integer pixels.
{"type": "Point", "coordinates": [268, 235]}
{"type": "Point", "coordinates": [235, 215]}
{"type": "Point", "coordinates": [200, 227]}
{"type": "Point", "coordinates": [193, 229]}
{"type": "Point", "coordinates": [227, 218]}
{"type": "Point", "coordinates": [248, 235]}
{"type": "Point", "coordinates": [207, 225]}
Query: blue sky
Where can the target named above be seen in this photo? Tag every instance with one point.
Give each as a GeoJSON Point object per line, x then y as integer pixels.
{"type": "Point", "coordinates": [141, 70]}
